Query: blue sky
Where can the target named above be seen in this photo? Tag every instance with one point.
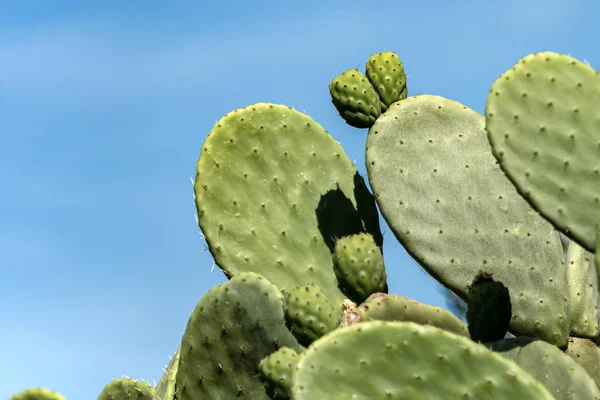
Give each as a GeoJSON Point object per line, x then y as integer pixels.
{"type": "Point", "coordinates": [104, 108]}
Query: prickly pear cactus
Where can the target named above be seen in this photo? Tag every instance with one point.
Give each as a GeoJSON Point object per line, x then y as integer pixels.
{"type": "Point", "coordinates": [309, 314]}
{"type": "Point", "coordinates": [443, 195]}
{"type": "Point", "coordinates": [233, 327]}
{"type": "Point", "coordinates": [385, 71]}
{"type": "Point", "coordinates": [542, 122]}
{"type": "Point", "coordinates": [37, 394]}
{"type": "Point", "coordinates": [390, 307]}
{"type": "Point", "coordinates": [276, 371]}
{"type": "Point", "coordinates": [587, 354]}
{"type": "Point", "coordinates": [165, 388]}
{"type": "Point", "coordinates": [127, 389]}
{"type": "Point", "coordinates": [305, 193]}
{"type": "Point", "coordinates": [355, 98]}
{"type": "Point", "coordinates": [488, 309]}
{"type": "Point", "coordinates": [359, 267]}
{"type": "Point", "coordinates": [407, 361]}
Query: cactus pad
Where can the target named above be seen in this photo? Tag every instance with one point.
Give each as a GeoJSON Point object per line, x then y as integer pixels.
{"type": "Point", "coordinates": [359, 267]}
{"type": "Point", "coordinates": [407, 361]}
{"type": "Point", "coordinates": [543, 125]}
{"type": "Point", "coordinates": [488, 309]}
{"type": "Point", "coordinates": [443, 195]}
{"type": "Point", "coordinates": [127, 389]}
{"type": "Point", "coordinates": [233, 327]}
{"type": "Point", "coordinates": [165, 389]}
{"type": "Point", "coordinates": [385, 71]}
{"type": "Point", "coordinates": [276, 371]}
{"type": "Point", "coordinates": [37, 394]}
{"type": "Point", "coordinates": [273, 192]}
{"type": "Point", "coordinates": [309, 314]}
{"type": "Point", "coordinates": [355, 99]}
{"type": "Point", "coordinates": [390, 307]}
{"type": "Point", "coordinates": [562, 376]}
{"type": "Point", "coordinates": [586, 353]}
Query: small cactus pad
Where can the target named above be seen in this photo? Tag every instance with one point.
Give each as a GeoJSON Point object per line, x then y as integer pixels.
{"type": "Point", "coordinates": [165, 388]}
{"type": "Point", "coordinates": [587, 354]}
{"type": "Point", "coordinates": [442, 193]}
{"type": "Point", "coordinates": [583, 288]}
{"type": "Point", "coordinates": [273, 191]}
{"type": "Point", "coordinates": [127, 389]}
{"type": "Point", "coordinates": [37, 394]}
{"type": "Point", "coordinates": [276, 371]}
{"type": "Point", "coordinates": [543, 124]}
{"type": "Point", "coordinates": [385, 71]}
{"type": "Point", "coordinates": [562, 376]}
{"type": "Point", "coordinates": [355, 99]}
{"type": "Point", "coordinates": [309, 314]}
{"type": "Point", "coordinates": [359, 267]}
{"type": "Point", "coordinates": [233, 327]}
{"type": "Point", "coordinates": [488, 309]}
{"type": "Point", "coordinates": [391, 307]}
{"type": "Point", "coordinates": [407, 361]}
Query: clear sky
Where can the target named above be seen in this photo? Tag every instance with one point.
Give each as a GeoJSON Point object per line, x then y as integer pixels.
{"type": "Point", "coordinates": [104, 107]}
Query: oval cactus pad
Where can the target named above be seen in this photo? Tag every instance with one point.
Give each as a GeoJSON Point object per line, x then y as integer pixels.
{"type": "Point", "coordinates": [407, 361]}
{"type": "Point", "coordinates": [446, 200]}
{"type": "Point", "coordinates": [274, 191]}
{"type": "Point", "coordinates": [544, 127]}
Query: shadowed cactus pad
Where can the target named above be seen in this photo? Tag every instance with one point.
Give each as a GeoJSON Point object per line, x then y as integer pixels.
{"type": "Point", "coordinates": [355, 99]}
{"type": "Point", "coordinates": [276, 371]}
{"type": "Point", "coordinates": [390, 307]}
{"type": "Point", "coordinates": [488, 309]}
{"type": "Point", "coordinates": [309, 314]}
{"type": "Point", "coordinates": [127, 389]}
{"type": "Point", "coordinates": [562, 376]}
{"type": "Point", "coordinates": [385, 71]}
{"type": "Point", "coordinates": [407, 361]}
{"type": "Point", "coordinates": [233, 327]}
{"type": "Point", "coordinates": [37, 394]}
{"type": "Point", "coordinates": [543, 125]}
{"type": "Point", "coordinates": [359, 267]}
{"type": "Point", "coordinates": [273, 191]}
{"type": "Point", "coordinates": [443, 195]}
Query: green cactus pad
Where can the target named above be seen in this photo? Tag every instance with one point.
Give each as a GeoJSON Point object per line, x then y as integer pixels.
{"type": "Point", "coordinates": [127, 389]}
{"type": "Point", "coordinates": [385, 71]}
{"type": "Point", "coordinates": [543, 125]}
{"type": "Point", "coordinates": [309, 314]}
{"type": "Point", "coordinates": [273, 192]}
{"type": "Point", "coordinates": [37, 394]}
{"type": "Point", "coordinates": [355, 99]}
{"type": "Point", "coordinates": [586, 353]}
{"type": "Point", "coordinates": [276, 371]}
{"type": "Point", "coordinates": [359, 267]}
{"type": "Point", "coordinates": [583, 288]}
{"type": "Point", "coordinates": [165, 388]}
{"type": "Point", "coordinates": [233, 327]}
{"type": "Point", "coordinates": [407, 361]}
{"type": "Point", "coordinates": [443, 195]}
{"type": "Point", "coordinates": [562, 376]}
{"type": "Point", "coordinates": [391, 307]}
{"type": "Point", "coordinates": [488, 309]}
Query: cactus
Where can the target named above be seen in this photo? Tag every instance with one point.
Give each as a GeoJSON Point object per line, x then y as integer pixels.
{"type": "Point", "coordinates": [359, 267]}
{"type": "Point", "coordinates": [309, 314]}
{"type": "Point", "coordinates": [404, 360]}
{"type": "Point", "coordinates": [585, 353]}
{"type": "Point", "coordinates": [233, 327]}
{"type": "Point", "coordinates": [165, 388]}
{"type": "Point", "coordinates": [276, 371]}
{"type": "Point", "coordinates": [543, 126]}
{"type": "Point", "coordinates": [546, 363]}
{"type": "Point", "coordinates": [488, 309]}
{"type": "Point", "coordinates": [305, 192]}
{"type": "Point", "coordinates": [385, 71]}
{"type": "Point", "coordinates": [390, 307]}
{"type": "Point", "coordinates": [127, 389]}
{"type": "Point", "coordinates": [37, 394]}
{"type": "Point", "coordinates": [355, 98]}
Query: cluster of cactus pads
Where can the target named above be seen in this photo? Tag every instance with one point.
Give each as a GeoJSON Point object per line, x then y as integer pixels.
{"type": "Point", "coordinates": [480, 202]}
